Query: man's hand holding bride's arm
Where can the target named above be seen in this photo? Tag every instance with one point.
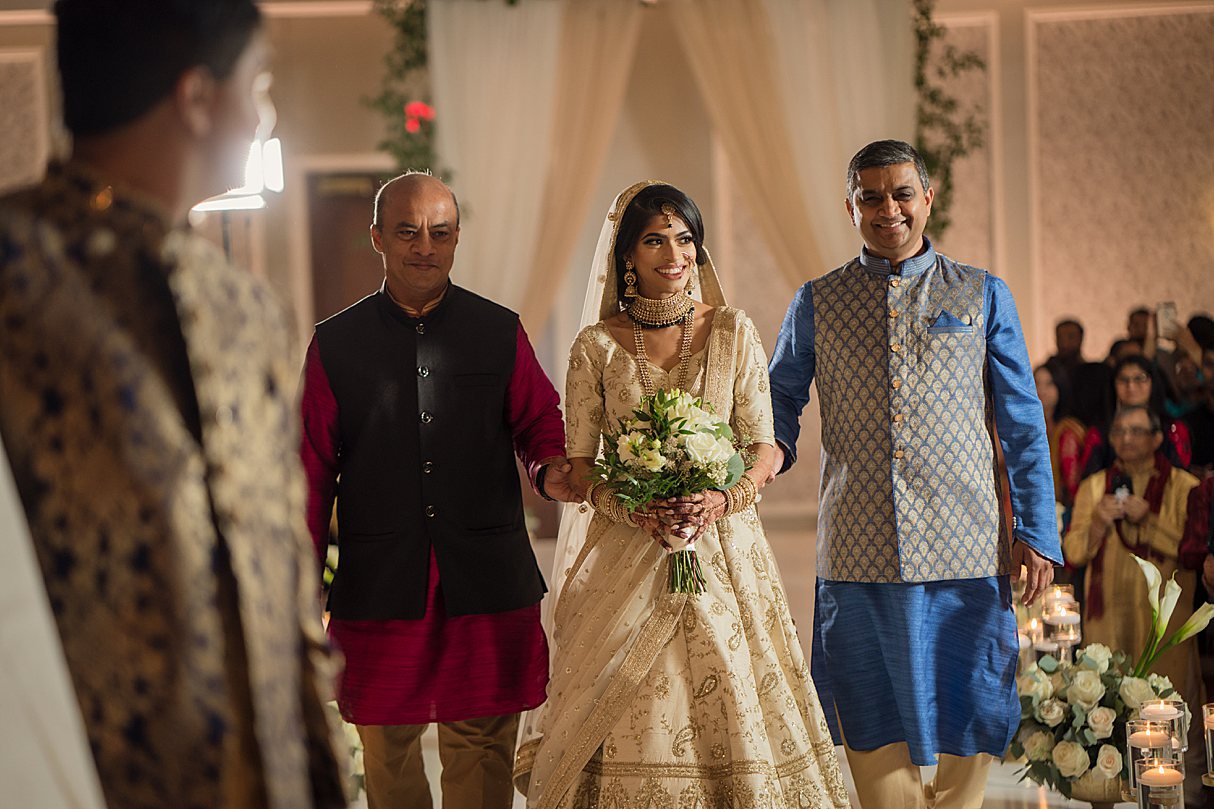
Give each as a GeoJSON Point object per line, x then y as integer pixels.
{"type": "Point", "coordinates": [777, 463]}
{"type": "Point", "coordinates": [559, 482]}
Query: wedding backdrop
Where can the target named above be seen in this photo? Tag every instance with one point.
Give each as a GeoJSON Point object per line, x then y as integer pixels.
{"type": "Point", "coordinates": [545, 107]}
{"type": "Point", "coordinates": [1090, 189]}
{"type": "Point", "coordinates": [532, 176]}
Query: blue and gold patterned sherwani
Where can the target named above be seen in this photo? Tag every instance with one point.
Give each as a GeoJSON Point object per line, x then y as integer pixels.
{"type": "Point", "coordinates": [914, 636]}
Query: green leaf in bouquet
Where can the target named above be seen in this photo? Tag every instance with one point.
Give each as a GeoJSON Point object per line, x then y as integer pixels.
{"type": "Point", "coordinates": [1088, 737]}
{"type": "Point", "coordinates": [1048, 664]}
{"type": "Point", "coordinates": [735, 468]}
{"type": "Point", "coordinates": [1026, 707]}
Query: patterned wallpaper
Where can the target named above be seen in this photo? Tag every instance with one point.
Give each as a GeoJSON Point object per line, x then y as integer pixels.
{"type": "Point", "coordinates": [970, 238]}
{"type": "Point", "coordinates": [23, 138]}
{"type": "Point", "coordinates": [1124, 179]}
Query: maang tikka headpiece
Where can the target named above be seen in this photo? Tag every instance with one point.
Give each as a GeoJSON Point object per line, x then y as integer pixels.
{"type": "Point", "coordinates": [670, 212]}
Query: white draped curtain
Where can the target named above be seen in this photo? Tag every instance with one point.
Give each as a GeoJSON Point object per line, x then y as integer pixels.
{"type": "Point", "coordinates": [493, 70]}
{"type": "Point", "coordinates": [598, 42]}
{"type": "Point", "coordinates": [794, 88]}
{"type": "Point", "coordinates": [845, 73]}
{"type": "Point", "coordinates": [529, 97]}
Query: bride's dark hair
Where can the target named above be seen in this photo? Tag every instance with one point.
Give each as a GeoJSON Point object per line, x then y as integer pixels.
{"type": "Point", "coordinates": [644, 206]}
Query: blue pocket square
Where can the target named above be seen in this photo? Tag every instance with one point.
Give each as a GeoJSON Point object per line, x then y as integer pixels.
{"type": "Point", "coordinates": [946, 323]}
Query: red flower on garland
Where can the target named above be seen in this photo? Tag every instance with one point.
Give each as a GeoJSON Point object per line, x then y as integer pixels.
{"type": "Point", "coordinates": [415, 113]}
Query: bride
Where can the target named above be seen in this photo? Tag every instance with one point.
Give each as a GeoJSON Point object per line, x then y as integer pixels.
{"type": "Point", "coordinates": [660, 698]}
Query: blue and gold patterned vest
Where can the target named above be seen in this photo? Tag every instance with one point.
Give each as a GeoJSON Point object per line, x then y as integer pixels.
{"type": "Point", "coordinates": [909, 484]}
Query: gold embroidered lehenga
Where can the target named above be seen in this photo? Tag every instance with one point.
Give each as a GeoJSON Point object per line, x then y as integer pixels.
{"type": "Point", "coordinates": [666, 699]}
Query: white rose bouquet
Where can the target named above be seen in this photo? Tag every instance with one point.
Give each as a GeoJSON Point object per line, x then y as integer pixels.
{"type": "Point", "coordinates": [1072, 718]}
{"type": "Point", "coordinates": [674, 445]}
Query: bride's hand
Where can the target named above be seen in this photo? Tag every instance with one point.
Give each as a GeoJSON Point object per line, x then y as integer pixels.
{"type": "Point", "coordinates": [653, 526]}
{"type": "Point", "coordinates": [692, 514]}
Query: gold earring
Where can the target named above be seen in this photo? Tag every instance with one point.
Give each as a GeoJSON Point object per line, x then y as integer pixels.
{"type": "Point", "coordinates": [630, 281]}
{"type": "Point", "coordinates": [691, 284]}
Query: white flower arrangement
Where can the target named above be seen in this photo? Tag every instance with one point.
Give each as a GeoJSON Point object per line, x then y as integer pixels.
{"type": "Point", "coordinates": [1077, 730]}
{"type": "Point", "coordinates": [1072, 717]}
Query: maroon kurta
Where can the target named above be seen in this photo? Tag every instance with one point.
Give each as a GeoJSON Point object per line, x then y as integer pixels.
{"type": "Point", "coordinates": [437, 668]}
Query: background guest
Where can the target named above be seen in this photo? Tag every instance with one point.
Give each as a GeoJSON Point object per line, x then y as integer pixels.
{"type": "Point", "coordinates": [1138, 324]}
{"type": "Point", "coordinates": [1066, 433]}
{"type": "Point", "coordinates": [1068, 342]}
{"type": "Point", "coordinates": [1136, 384]}
{"type": "Point", "coordinates": [1200, 420]}
{"type": "Point", "coordinates": [1138, 506]}
{"type": "Point", "coordinates": [1120, 349]}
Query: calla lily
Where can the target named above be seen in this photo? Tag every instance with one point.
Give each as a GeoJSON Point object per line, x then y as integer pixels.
{"type": "Point", "coordinates": [1171, 594]}
{"type": "Point", "coordinates": [1154, 579]}
{"type": "Point", "coordinates": [1197, 622]}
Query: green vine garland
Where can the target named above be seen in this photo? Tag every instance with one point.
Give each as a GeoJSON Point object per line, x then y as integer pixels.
{"type": "Point", "coordinates": [406, 84]}
{"type": "Point", "coordinates": [404, 98]}
{"type": "Point", "coordinates": [944, 131]}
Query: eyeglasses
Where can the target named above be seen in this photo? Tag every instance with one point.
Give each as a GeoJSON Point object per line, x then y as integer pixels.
{"type": "Point", "coordinates": [1136, 432]}
{"type": "Point", "coordinates": [1139, 379]}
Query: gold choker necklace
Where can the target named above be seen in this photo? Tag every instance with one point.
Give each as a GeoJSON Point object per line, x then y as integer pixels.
{"type": "Point", "coordinates": [661, 312]}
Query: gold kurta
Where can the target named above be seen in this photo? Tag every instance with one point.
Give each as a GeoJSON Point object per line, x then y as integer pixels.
{"type": "Point", "coordinates": [1126, 622]}
{"type": "Point", "coordinates": [146, 404]}
{"type": "Point", "coordinates": [661, 699]}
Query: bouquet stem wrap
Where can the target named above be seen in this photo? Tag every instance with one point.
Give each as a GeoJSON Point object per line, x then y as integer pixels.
{"type": "Point", "coordinates": [686, 575]}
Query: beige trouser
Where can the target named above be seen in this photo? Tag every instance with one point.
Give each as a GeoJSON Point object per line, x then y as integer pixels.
{"type": "Point", "coordinates": [477, 757]}
{"type": "Point", "coordinates": [886, 778]}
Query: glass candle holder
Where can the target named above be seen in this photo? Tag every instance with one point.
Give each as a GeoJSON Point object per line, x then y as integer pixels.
{"type": "Point", "coordinates": [1207, 717]}
{"type": "Point", "coordinates": [1160, 783]}
{"type": "Point", "coordinates": [1061, 613]}
{"type": "Point", "coordinates": [1173, 711]}
{"type": "Point", "coordinates": [1045, 647]}
{"type": "Point", "coordinates": [1067, 637]}
{"type": "Point", "coordinates": [1147, 740]}
{"type": "Point", "coordinates": [1058, 593]}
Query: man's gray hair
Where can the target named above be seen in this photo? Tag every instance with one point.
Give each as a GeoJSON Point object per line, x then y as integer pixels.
{"type": "Point", "coordinates": [881, 153]}
{"type": "Point", "coordinates": [1152, 416]}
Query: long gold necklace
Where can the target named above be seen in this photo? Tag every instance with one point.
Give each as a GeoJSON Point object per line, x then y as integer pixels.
{"type": "Point", "coordinates": [689, 329]}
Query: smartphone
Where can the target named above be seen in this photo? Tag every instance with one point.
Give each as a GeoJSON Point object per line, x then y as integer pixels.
{"type": "Point", "coordinates": [1165, 319]}
{"type": "Point", "coordinates": [1123, 487]}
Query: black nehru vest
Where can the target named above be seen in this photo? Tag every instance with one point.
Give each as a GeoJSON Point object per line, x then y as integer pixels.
{"type": "Point", "coordinates": [426, 459]}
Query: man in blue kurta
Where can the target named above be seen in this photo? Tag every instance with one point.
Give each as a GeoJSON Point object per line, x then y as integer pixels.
{"type": "Point", "coordinates": [918, 359]}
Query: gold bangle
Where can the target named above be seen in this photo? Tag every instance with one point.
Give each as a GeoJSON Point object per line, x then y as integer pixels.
{"type": "Point", "coordinates": [741, 495]}
{"type": "Point", "coordinates": [607, 504]}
